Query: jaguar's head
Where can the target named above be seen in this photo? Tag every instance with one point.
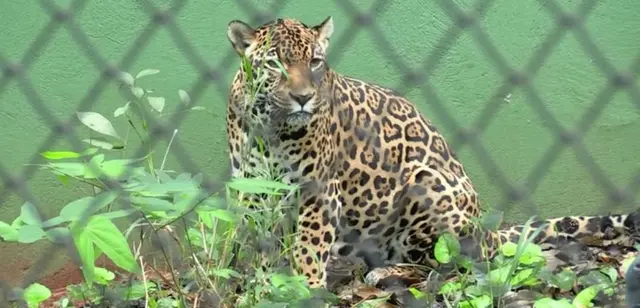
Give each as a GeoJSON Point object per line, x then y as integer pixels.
{"type": "Point", "coordinates": [290, 57]}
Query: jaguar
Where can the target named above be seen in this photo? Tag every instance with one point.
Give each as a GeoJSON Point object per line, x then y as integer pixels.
{"type": "Point", "coordinates": [377, 179]}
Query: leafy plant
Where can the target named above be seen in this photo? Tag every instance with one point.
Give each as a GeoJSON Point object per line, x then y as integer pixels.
{"type": "Point", "coordinates": [161, 202]}
{"type": "Point", "coordinates": [517, 266]}
{"type": "Point", "coordinates": [35, 294]}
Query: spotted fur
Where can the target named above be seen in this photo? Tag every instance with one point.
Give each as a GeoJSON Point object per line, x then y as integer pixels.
{"type": "Point", "coordinates": [371, 166]}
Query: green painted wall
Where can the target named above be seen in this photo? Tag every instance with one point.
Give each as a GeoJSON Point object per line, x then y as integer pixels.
{"type": "Point", "coordinates": [465, 79]}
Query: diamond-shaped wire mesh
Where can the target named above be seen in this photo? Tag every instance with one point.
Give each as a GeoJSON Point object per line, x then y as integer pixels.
{"type": "Point", "coordinates": [361, 20]}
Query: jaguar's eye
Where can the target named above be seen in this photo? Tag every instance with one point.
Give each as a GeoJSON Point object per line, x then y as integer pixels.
{"type": "Point", "coordinates": [316, 63]}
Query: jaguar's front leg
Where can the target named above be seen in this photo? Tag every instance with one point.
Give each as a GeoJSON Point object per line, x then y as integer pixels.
{"type": "Point", "coordinates": [316, 225]}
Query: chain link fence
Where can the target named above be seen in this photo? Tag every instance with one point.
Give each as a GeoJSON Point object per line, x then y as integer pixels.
{"type": "Point", "coordinates": [469, 21]}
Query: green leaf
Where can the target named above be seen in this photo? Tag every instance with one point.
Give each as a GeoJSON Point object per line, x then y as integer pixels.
{"type": "Point", "coordinates": [213, 203]}
{"type": "Point", "coordinates": [64, 302]}
{"type": "Point", "coordinates": [135, 290]}
{"type": "Point", "coordinates": [152, 204]}
{"type": "Point", "coordinates": [29, 214]}
{"type": "Point", "coordinates": [450, 287]}
{"type": "Point", "coordinates": [551, 303]}
{"type": "Point", "coordinates": [93, 167]}
{"type": "Point", "coordinates": [611, 272]}
{"type": "Point", "coordinates": [98, 123]}
{"type": "Point", "coordinates": [59, 154]}
{"type": "Point", "coordinates": [106, 236]}
{"type": "Point", "coordinates": [464, 262]}
{"type": "Point", "coordinates": [71, 169]}
{"type": "Point", "coordinates": [417, 293]}
{"type": "Point", "coordinates": [587, 295]}
{"type": "Point", "coordinates": [370, 303]}
{"type": "Point", "coordinates": [184, 97]}
{"type": "Point", "coordinates": [163, 176]}
{"type": "Point", "coordinates": [137, 92]}
{"type": "Point", "coordinates": [116, 168]}
{"type": "Point", "coordinates": [86, 251]}
{"type": "Point", "coordinates": [482, 301]}
{"type": "Point", "coordinates": [7, 232]}
{"type": "Point", "coordinates": [117, 214]}
{"type": "Point", "coordinates": [58, 235]}
{"type": "Point", "coordinates": [509, 249]}
{"type": "Point", "coordinates": [17, 223]}
{"type": "Point", "coordinates": [121, 110]}
{"type": "Point", "coordinates": [521, 277]}
{"type": "Point", "coordinates": [56, 155]}
{"type": "Point", "coordinates": [499, 275]}
{"type": "Point", "coordinates": [64, 179]}
{"type": "Point", "coordinates": [594, 277]}
{"type": "Point", "coordinates": [564, 279]}
{"type": "Point", "coordinates": [89, 151]}
{"type": "Point", "coordinates": [161, 189]}
{"type": "Point", "coordinates": [474, 290]}
{"type": "Point", "coordinates": [258, 186]}
{"type": "Point", "coordinates": [247, 68]}
{"type": "Point", "coordinates": [103, 276]}
{"type": "Point", "coordinates": [99, 143]}
{"type": "Point", "coordinates": [157, 103]}
{"type": "Point", "coordinates": [167, 302]}
{"type": "Point", "coordinates": [224, 215]}
{"type": "Point", "coordinates": [30, 233]}
{"type": "Point", "coordinates": [531, 254]}
{"type": "Point", "coordinates": [144, 177]}
{"type": "Point", "coordinates": [89, 205]}
{"type": "Point", "coordinates": [195, 237]}
{"type": "Point", "coordinates": [126, 78]}
{"type": "Point", "coordinates": [35, 294]}
{"type": "Point", "coordinates": [187, 200]}
{"type": "Point", "coordinates": [447, 248]}
{"type": "Point", "coordinates": [147, 72]}
{"type": "Point", "coordinates": [225, 273]}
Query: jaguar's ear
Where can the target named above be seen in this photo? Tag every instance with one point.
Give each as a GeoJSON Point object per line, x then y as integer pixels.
{"type": "Point", "coordinates": [240, 35]}
{"type": "Point", "coordinates": [324, 30]}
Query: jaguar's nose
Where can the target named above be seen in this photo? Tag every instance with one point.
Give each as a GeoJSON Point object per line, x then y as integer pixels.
{"type": "Point", "coordinates": [301, 98]}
